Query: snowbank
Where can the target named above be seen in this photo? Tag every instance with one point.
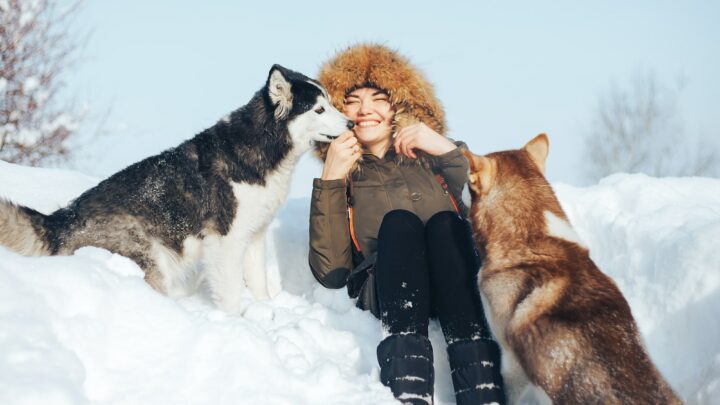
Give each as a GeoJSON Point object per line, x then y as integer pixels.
{"type": "Point", "coordinates": [87, 329]}
{"type": "Point", "coordinates": [659, 239]}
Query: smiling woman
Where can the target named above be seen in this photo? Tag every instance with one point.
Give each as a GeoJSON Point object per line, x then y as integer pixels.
{"type": "Point", "coordinates": [372, 113]}
{"type": "Point", "coordinates": [385, 222]}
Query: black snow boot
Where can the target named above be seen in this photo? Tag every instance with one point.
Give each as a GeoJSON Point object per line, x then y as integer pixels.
{"type": "Point", "coordinates": [475, 369]}
{"type": "Point", "coordinates": [406, 366]}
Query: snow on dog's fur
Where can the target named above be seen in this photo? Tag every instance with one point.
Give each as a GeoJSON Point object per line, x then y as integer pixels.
{"type": "Point", "coordinates": [562, 324]}
{"type": "Point", "coordinates": [199, 211]}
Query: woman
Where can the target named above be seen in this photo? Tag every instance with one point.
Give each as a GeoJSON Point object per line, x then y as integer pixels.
{"type": "Point", "coordinates": [385, 222]}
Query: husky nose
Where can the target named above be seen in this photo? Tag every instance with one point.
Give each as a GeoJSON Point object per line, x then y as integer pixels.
{"type": "Point", "coordinates": [350, 124]}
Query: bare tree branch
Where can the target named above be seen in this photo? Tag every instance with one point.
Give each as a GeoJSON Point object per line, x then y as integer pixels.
{"type": "Point", "coordinates": [638, 130]}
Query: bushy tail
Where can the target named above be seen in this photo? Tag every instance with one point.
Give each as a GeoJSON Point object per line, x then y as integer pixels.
{"type": "Point", "coordinates": [22, 229]}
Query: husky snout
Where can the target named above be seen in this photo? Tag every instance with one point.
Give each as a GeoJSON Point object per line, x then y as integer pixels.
{"type": "Point", "coordinates": [350, 125]}
{"type": "Point", "coordinates": [336, 123]}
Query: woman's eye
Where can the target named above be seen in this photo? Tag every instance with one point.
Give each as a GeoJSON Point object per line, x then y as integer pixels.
{"type": "Point", "coordinates": [320, 110]}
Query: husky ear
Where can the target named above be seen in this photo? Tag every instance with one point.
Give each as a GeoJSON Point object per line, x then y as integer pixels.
{"type": "Point", "coordinates": [279, 90]}
{"type": "Point", "coordinates": [481, 173]}
{"type": "Point", "coordinates": [538, 149]}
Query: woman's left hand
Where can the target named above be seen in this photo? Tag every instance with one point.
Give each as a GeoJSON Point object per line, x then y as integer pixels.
{"type": "Point", "coordinates": [420, 136]}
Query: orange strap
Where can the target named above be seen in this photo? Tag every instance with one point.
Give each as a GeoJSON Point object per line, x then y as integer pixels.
{"type": "Point", "coordinates": [445, 188]}
{"type": "Point", "coordinates": [350, 213]}
{"type": "Point", "coordinates": [352, 228]}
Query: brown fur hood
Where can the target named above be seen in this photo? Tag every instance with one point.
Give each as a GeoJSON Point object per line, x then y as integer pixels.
{"type": "Point", "coordinates": [371, 65]}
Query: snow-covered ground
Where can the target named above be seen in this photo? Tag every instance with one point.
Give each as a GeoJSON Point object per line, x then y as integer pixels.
{"type": "Point", "coordinates": [87, 329]}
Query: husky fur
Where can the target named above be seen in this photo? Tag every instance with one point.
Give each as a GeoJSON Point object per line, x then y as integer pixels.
{"type": "Point", "coordinates": [562, 323]}
{"type": "Point", "coordinates": [199, 211]}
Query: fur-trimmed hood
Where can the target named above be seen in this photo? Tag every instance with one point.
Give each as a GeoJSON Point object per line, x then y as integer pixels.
{"type": "Point", "coordinates": [372, 65]}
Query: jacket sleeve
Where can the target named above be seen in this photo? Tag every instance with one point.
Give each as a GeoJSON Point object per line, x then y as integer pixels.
{"type": "Point", "coordinates": [330, 255]}
{"type": "Point", "coordinates": [453, 166]}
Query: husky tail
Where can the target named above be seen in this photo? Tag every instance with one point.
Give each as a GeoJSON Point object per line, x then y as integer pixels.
{"type": "Point", "coordinates": [22, 229]}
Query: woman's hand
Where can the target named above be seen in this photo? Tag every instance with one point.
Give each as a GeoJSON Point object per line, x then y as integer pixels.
{"type": "Point", "coordinates": [341, 156]}
{"type": "Point", "coordinates": [420, 136]}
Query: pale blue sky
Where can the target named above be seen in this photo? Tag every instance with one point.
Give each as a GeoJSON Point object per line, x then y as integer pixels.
{"type": "Point", "coordinates": [505, 71]}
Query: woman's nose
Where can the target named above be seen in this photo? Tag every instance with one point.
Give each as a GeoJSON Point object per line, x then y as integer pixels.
{"type": "Point", "coordinates": [365, 108]}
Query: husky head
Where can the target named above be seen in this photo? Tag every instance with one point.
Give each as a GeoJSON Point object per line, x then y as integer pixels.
{"type": "Point", "coordinates": [509, 191]}
{"type": "Point", "coordinates": [506, 170]}
{"type": "Point", "coordinates": [304, 105]}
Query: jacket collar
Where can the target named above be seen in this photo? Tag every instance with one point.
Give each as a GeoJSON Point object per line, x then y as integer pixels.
{"type": "Point", "coordinates": [389, 156]}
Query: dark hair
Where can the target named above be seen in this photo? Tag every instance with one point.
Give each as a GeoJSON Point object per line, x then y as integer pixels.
{"type": "Point", "coordinates": [363, 85]}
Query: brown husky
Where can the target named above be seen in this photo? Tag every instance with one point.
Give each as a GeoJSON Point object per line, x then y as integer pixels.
{"type": "Point", "coordinates": [563, 324]}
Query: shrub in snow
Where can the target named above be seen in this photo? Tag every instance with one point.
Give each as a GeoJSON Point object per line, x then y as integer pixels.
{"type": "Point", "coordinates": [35, 50]}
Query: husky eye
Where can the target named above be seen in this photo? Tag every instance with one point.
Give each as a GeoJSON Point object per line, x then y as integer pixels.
{"type": "Point", "coordinates": [320, 110]}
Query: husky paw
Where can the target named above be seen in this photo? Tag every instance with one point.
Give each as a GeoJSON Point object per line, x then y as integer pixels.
{"type": "Point", "coordinates": [236, 306]}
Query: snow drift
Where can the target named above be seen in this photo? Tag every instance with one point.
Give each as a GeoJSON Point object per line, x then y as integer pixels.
{"type": "Point", "coordinates": [87, 329]}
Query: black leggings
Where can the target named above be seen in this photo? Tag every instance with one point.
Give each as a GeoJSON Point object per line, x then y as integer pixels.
{"type": "Point", "coordinates": [431, 269]}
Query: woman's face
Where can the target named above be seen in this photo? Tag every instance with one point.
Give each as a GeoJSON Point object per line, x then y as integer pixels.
{"type": "Point", "coordinates": [372, 114]}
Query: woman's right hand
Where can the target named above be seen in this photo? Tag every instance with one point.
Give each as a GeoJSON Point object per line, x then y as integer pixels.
{"type": "Point", "coordinates": [342, 154]}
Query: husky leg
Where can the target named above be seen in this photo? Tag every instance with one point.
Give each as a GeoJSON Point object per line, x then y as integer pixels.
{"type": "Point", "coordinates": [516, 382]}
{"type": "Point", "coordinates": [254, 266]}
{"type": "Point", "coordinates": [173, 272]}
{"type": "Point", "coordinates": [223, 272]}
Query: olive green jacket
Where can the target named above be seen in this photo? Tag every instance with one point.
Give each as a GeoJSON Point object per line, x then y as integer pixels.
{"type": "Point", "coordinates": [378, 186]}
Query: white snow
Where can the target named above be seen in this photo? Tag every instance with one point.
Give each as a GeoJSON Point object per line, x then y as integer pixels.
{"type": "Point", "coordinates": [659, 239]}
{"type": "Point", "coordinates": [28, 136]}
{"type": "Point", "coordinates": [26, 17]}
{"type": "Point", "coordinates": [87, 328]}
{"type": "Point", "coordinates": [31, 83]}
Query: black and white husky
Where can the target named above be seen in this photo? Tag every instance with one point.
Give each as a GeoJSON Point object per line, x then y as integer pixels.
{"type": "Point", "coordinates": [198, 211]}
